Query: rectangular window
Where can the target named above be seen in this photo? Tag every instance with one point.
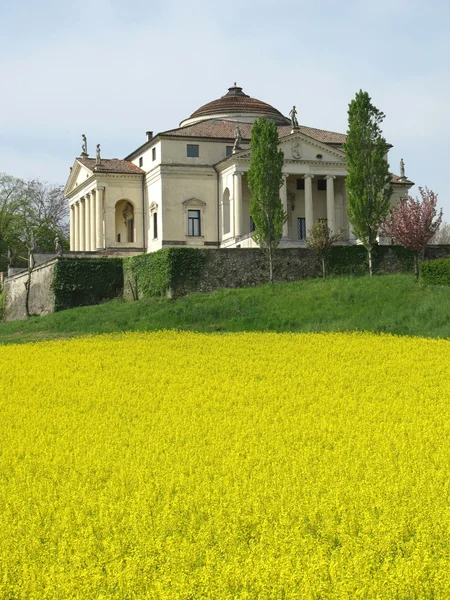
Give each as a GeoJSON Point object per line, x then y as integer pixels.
{"type": "Point", "coordinates": [194, 222]}
{"type": "Point", "coordinates": [153, 153]}
{"type": "Point", "coordinates": [155, 225]}
{"type": "Point", "coordinates": [192, 150]}
{"type": "Point", "coordinates": [301, 228]}
{"type": "Point", "coordinates": [252, 225]}
{"type": "Point", "coordinates": [130, 224]}
{"type": "Point", "coordinates": [300, 184]}
{"type": "Point", "coordinates": [322, 185]}
{"type": "Point", "coordinates": [229, 150]}
{"type": "Point", "coordinates": [141, 161]}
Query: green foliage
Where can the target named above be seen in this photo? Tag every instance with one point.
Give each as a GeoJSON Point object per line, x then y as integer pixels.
{"type": "Point", "coordinates": [368, 179]}
{"type": "Point", "coordinates": [85, 281]}
{"type": "Point", "coordinates": [436, 272]}
{"type": "Point", "coordinates": [170, 271]}
{"type": "Point", "coordinates": [389, 303]}
{"type": "Point", "coordinates": [353, 260]}
{"type": "Point", "coordinates": [321, 239]}
{"type": "Point", "coordinates": [265, 178]}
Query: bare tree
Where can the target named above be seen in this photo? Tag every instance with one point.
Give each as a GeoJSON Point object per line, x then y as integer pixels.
{"type": "Point", "coordinates": [442, 236]}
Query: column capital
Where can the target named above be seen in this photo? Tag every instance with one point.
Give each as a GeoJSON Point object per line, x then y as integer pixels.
{"type": "Point", "coordinates": [330, 176]}
{"type": "Point", "coordinates": [99, 188]}
{"type": "Point", "coordinates": [308, 175]}
{"type": "Point", "coordinates": [238, 173]}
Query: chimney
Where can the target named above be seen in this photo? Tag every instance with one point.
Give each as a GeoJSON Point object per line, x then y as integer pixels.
{"type": "Point", "coordinates": [149, 135]}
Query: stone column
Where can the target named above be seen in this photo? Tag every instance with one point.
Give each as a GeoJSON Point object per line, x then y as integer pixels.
{"type": "Point", "coordinates": [309, 214]}
{"type": "Point", "coordinates": [284, 202]}
{"type": "Point", "coordinates": [72, 228]}
{"type": "Point", "coordinates": [237, 204]}
{"type": "Point", "coordinates": [76, 244]}
{"type": "Point", "coordinates": [99, 218]}
{"type": "Point", "coordinates": [87, 218]}
{"type": "Point", "coordinates": [92, 242]}
{"type": "Point", "coordinates": [330, 202]}
{"type": "Point", "coordinates": [82, 225]}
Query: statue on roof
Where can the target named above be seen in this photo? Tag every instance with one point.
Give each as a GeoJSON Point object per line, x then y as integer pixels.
{"type": "Point", "coordinates": [98, 158]}
{"type": "Point", "coordinates": [84, 151]}
{"type": "Point", "coordinates": [402, 169]}
{"type": "Point", "coordinates": [237, 139]}
{"type": "Point", "coordinates": [293, 115]}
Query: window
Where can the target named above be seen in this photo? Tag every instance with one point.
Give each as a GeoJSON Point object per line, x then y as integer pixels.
{"type": "Point", "coordinates": [322, 185]}
{"type": "Point", "coordinates": [194, 222]}
{"type": "Point", "coordinates": [301, 228]}
{"type": "Point", "coordinates": [155, 225]}
{"type": "Point", "coordinates": [130, 224]}
{"type": "Point", "coordinates": [153, 153]}
{"type": "Point", "coordinates": [252, 225]}
{"type": "Point", "coordinates": [192, 150]}
{"type": "Point", "coordinates": [141, 161]}
{"type": "Point", "coordinates": [300, 184]}
{"type": "Point", "coordinates": [229, 150]}
{"type": "Point", "coordinates": [118, 237]}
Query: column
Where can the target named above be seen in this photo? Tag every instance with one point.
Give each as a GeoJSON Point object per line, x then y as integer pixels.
{"type": "Point", "coordinates": [284, 202]}
{"type": "Point", "coordinates": [72, 228]}
{"type": "Point", "coordinates": [76, 245]}
{"type": "Point", "coordinates": [92, 230]}
{"type": "Point", "coordinates": [82, 226]}
{"type": "Point", "coordinates": [87, 219]}
{"type": "Point", "coordinates": [330, 202]}
{"type": "Point", "coordinates": [309, 215]}
{"type": "Point", "coordinates": [99, 218]}
{"type": "Point", "coordinates": [237, 204]}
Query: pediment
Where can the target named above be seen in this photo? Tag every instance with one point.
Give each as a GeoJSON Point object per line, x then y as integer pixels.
{"type": "Point", "coordinates": [299, 147]}
{"type": "Point", "coordinates": [78, 175]}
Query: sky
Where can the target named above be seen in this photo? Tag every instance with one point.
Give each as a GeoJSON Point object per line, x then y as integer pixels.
{"type": "Point", "coordinates": [114, 70]}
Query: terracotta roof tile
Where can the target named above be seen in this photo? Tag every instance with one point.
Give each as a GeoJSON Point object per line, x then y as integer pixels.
{"type": "Point", "coordinates": [225, 130]}
{"type": "Point", "coordinates": [401, 181]}
{"type": "Point", "coordinates": [111, 165]}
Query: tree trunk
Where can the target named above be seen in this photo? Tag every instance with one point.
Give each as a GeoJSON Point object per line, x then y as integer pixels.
{"type": "Point", "coordinates": [416, 265]}
{"type": "Point", "coordinates": [324, 274]}
{"type": "Point", "coordinates": [27, 293]}
{"type": "Point", "coordinates": [270, 266]}
{"type": "Point", "coordinates": [369, 251]}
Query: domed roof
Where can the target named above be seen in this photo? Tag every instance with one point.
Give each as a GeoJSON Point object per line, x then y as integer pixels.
{"type": "Point", "coordinates": [236, 106]}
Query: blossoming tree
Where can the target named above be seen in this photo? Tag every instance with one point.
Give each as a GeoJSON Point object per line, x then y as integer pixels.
{"type": "Point", "coordinates": [413, 222]}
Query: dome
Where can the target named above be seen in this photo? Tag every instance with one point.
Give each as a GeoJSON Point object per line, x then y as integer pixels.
{"type": "Point", "coordinates": [236, 106]}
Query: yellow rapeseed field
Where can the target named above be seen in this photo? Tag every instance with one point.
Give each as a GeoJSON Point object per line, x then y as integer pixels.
{"type": "Point", "coordinates": [251, 466]}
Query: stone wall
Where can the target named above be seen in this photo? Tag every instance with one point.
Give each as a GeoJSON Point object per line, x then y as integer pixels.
{"type": "Point", "coordinates": [42, 298]}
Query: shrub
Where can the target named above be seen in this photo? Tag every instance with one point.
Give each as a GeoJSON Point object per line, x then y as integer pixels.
{"type": "Point", "coordinates": [436, 272]}
{"type": "Point", "coordinates": [170, 271]}
{"type": "Point", "coordinates": [86, 281]}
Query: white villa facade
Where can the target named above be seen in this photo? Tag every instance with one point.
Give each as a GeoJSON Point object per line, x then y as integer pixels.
{"type": "Point", "coordinates": [188, 186]}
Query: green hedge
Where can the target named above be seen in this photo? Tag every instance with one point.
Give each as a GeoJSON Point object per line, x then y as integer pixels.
{"type": "Point", "coordinates": [353, 259]}
{"type": "Point", "coordinates": [435, 272]}
{"type": "Point", "coordinates": [86, 281]}
{"type": "Point", "coordinates": [170, 271]}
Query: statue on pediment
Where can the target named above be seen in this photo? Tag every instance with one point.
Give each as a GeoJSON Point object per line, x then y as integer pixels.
{"type": "Point", "coordinates": [237, 139]}
{"type": "Point", "coordinates": [402, 169]}
{"type": "Point", "coordinates": [293, 115]}
{"type": "Point", "coordinates": [98, 159]}
{"type": "Point", "coordinates": [84, 151]}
